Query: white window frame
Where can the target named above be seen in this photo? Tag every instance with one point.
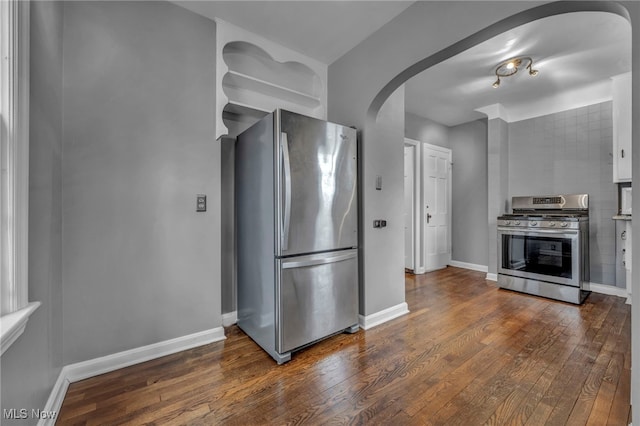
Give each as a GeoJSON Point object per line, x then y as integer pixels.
{"type": "Point", "coordinates": [15, 308]}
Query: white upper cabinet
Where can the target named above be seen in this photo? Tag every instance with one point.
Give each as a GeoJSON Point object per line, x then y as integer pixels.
{"type": "Point", "coordinates": [255, 76]}
{"type": "Point", "coordinates": [621, 88]}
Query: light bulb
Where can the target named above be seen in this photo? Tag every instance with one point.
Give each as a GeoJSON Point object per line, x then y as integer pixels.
{"type": "Point", "coordinates": [497, 83]}
{"type": "Point", "coordinates": [510, 65]}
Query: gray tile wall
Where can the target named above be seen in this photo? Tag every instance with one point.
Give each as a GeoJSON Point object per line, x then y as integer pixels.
{"type": "Point", "coordinates": [570, 152]}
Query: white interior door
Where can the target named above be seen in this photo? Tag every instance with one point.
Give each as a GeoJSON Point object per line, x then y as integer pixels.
{"type": "Point", "coordinates": [409, 234]}
{"type": "Point", "coordinates": [437, 206]}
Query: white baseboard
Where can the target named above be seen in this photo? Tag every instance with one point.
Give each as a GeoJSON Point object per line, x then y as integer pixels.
{"type": "Point", "coordinates": [229, 318]}
{"type": "Point", "coordinates": [492, 277]}
{"type": "Point", "coordinates": [370, 321]}
{"type": "Point", "coordinates": [606, 289]}
{"type": "Point", "coordinates": [54, 403]}
{"type": "Point", "coordinates": [94, 367]}
{"type": "Point", "coordinates": [471, 266]}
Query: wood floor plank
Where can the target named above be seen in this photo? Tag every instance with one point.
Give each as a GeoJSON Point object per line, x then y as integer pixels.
{"type": "Point", "coordinates": [529, 390]}
{"type": "Point", "coordinates": [467, 353]}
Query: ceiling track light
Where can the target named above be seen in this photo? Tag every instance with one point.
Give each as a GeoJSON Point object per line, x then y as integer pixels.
{"type": "Point", "coordinates": [511, 66]}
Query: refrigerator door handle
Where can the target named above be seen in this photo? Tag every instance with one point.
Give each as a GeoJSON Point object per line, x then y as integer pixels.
{"type": "Point", "coordinates": [316, 260]}
{"type": "Point", "coordinates": [287, 191]}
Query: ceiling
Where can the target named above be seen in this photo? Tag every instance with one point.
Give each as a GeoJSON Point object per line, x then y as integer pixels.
{"type": "Point", "coordinates": [574, 53]}
{"type": "Point", "coordinates": [323, 30]}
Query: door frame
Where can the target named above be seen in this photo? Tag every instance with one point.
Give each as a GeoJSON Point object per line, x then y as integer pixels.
{"type": "Point", "coordinates": [409, 173]}
{"type": "Point", "coordinates": [418, 259]}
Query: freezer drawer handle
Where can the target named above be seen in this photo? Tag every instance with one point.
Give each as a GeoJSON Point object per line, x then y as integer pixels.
{"type": "Point", "coordinates": [287, 191]}
{"type": "Point", "coordinates": [318, 261]}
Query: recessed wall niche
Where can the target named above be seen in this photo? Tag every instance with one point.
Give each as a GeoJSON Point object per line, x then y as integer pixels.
{"type": "Point", "coordinates": [256, 76]}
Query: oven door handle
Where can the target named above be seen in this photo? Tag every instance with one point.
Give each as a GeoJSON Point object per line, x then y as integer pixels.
{"type": "Point", "coordinates": [566, 233]}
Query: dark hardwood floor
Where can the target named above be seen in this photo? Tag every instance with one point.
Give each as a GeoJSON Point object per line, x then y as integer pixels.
{"type": "Point", "coordinates": [467, 354]}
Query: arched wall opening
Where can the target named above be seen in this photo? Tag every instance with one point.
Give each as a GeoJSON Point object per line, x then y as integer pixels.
{"type": "Point", "coordinates": [394, 88]}
{"type": "Point", "coordinates": [530, 15]}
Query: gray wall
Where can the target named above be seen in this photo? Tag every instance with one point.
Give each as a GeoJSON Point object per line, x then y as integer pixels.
{"type": "Point", "coordinates": [634, 11]}
{"type": "Point", "coordinates": [468, 143]}
{"type": "Point", "coordinates": [361, 74]}
{"type": "Point", "coordinates": [382, 249]}
{"type": "Point", "coordinates": [469, 234]}
{"type": "Point", "coordinates": [139, 264]}
{"type": "Point", "coordinates": [570, 153]}
{"type": "Point", "coordinates": [426, 130]}
{"type": "Point", "coordinates": [31, 365]}
{"type": "Point", "coordinates": [229, 282]}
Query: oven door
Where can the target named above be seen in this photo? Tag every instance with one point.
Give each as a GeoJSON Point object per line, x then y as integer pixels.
{"type": "Point", "coordinates": [543, 255]}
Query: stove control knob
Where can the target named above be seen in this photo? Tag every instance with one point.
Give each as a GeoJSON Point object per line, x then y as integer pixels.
{"type": "Point", "coordinates": [517, 222]}
{"type": "Point", "coordinates": [507, 222]}
{"type": "Point", "coordinates": [534, 223]}
{"type": "Point", "coordinates": [552, 224]}
{"type": "Point", "coordinates": [564, 224]}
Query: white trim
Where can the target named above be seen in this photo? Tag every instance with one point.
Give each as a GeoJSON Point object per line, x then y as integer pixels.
{"type": "Point", "coordinates": [12, 325]}
{"type": "Point", "coordinates": [606, 289]}
{"type": "Point", "coordinates": [558, 102]}
{"type": "Point", "coordinates": [415, 145]}
{"type": "Point", "coordinates": [105, 364]}
{"type": "Point", "coordinates": [94, 367]}
{"type": "Point", "coordinates": [56, 398]}
{"type": "Point", "coordinates": [492, 277]}
{"type": "Point", "coordinates": [14, 161]}
{"type": "Point", "coordinates": [471, 266]}
{"type": "Point", "coordinates": [14, 154]}
{"type": "Point", "coordinates": [495, 111]}
{"type": "Point", "coordinates": [370, 321]}
{"type": "Point", "coordinates": [418, 260]}
{"type": "Point", "coordinates": [229, 318]}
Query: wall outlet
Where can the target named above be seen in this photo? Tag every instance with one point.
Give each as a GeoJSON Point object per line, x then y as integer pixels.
{"type": "Point", "coordinates": [201, 203]}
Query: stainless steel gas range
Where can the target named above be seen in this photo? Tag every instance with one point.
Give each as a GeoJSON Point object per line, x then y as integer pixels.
{"type": "Point", "coordinates": [543, 247]}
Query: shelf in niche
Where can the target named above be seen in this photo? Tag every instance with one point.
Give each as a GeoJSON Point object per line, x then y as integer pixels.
{"type": "Point", "coordinates": [256, 101]}
{"type": "Point", "coordinates": [243, 112]}
{"type": "Point", "coordinates": [238, 118]}
{"type": "Point", "coordinates": [252, 83]}
{"type": "Point", "coordinates": [239, 81]}
{"type": "Point", "coordinates": [252, 61]}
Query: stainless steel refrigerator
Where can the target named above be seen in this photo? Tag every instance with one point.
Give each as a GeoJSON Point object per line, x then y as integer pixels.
{"type": "Point", "coordinates": [297, 231]}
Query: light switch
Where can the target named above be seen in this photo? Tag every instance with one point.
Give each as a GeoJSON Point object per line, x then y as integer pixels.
{"type": "Point", "coordinates": [379, 183]}
{"type": "Point", "coordinates": [379, 223]}
{"type": "Point", "coordinates": [201, 203]}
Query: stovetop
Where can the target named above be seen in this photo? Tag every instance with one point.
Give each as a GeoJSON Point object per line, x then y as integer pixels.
{"type": "Point", "coordinates": [545, 216]}
{"type": "Point", "coordinates": [559, 222]}
{"type": "Point", "coordinates": [549, 211]}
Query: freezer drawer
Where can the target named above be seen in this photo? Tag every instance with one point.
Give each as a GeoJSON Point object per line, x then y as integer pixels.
{"type": "Point", "coordinates": [318, 297]}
